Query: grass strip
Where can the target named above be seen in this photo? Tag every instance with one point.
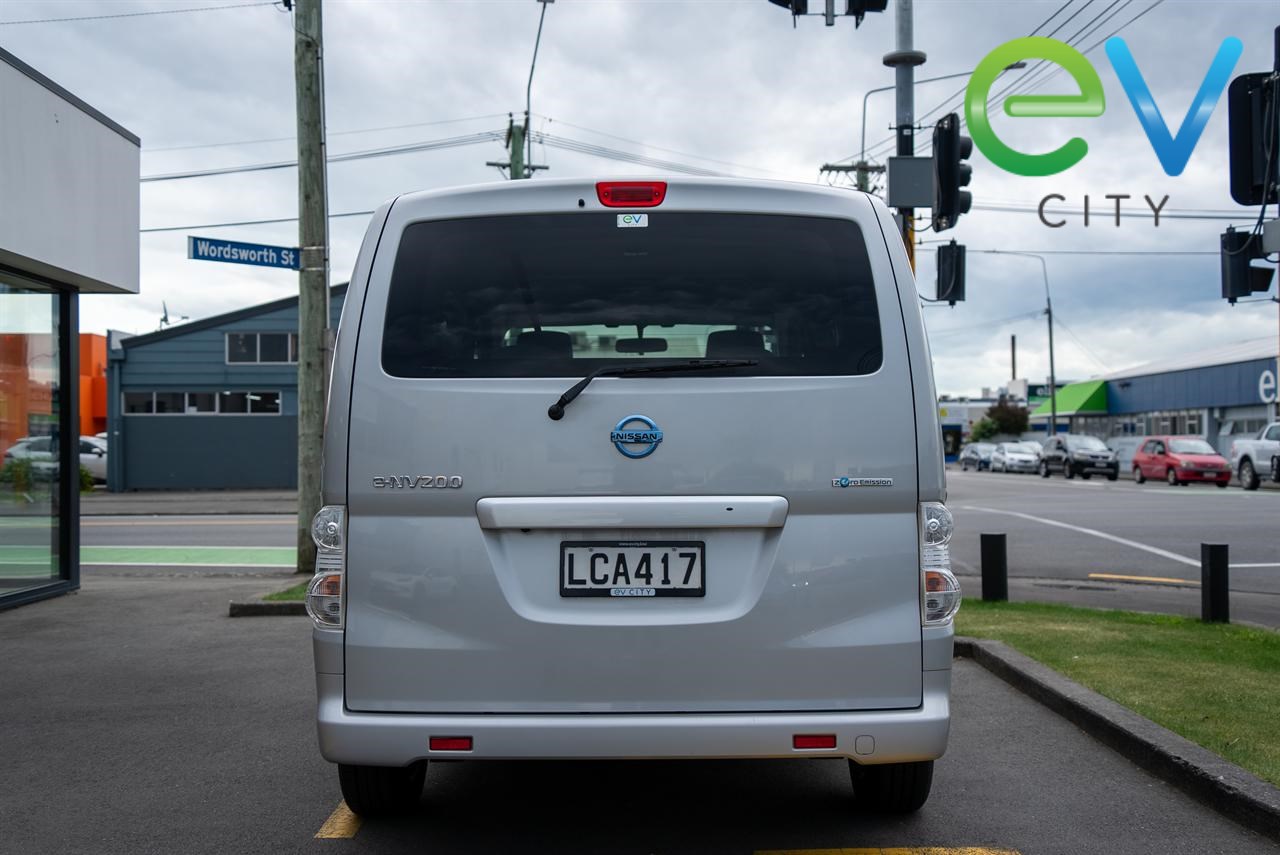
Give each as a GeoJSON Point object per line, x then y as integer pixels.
{"type": "Point", "coordinates": [297, 593]}
{"type": "Point", "coordinates": [1213, 684]}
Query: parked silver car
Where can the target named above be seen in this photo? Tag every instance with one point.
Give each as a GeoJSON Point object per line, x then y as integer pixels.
{"type": "Point", "coordinates": [40, 451]}
{"type": "Point", "coordinates": [632, 469]}
{"type": "Point", "coordinates": [1016, 457]}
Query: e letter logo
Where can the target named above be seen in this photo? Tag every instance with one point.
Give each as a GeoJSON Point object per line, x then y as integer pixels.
{"type": "Point", "coordinates": [1089, 103]}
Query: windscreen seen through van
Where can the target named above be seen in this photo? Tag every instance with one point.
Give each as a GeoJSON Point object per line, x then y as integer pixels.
{"type": "Point", "coordinates": [560, 295]}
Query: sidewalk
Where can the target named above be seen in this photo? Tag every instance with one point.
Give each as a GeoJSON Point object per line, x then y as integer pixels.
{"type": "Point", "coordinates": [102, 503]}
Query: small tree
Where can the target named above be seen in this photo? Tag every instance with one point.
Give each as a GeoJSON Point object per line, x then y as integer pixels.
{"type": "Point", "coordinates": [1008, 419]}
{"type": "Point", "coordinates": [983, 429]}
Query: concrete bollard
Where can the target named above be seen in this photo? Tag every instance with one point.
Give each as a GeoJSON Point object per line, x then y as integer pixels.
{"type": "Point", "coordinates": [995, 568]}
{"type": "Point", "coordinates": [1214, 574]}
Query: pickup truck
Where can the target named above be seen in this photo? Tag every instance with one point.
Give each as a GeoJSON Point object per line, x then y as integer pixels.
{"type": "Point", "coordinates": [1253, 458]}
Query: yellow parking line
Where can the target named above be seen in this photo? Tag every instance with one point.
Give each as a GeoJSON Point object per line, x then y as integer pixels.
{"type": "Point", "coordinates": [910, 850]}
{"type": "Point", "coordinates": [1163, 580]}
{"type": "Point", "coordinates": [342, 824]}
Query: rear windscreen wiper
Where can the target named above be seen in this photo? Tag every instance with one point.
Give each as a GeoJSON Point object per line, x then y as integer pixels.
{"type": "Point", "coordinates": [556, 410]}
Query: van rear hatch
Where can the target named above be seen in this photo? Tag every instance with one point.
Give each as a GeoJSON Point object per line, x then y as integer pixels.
{"type": "Point", "coordinates": [740, 536]}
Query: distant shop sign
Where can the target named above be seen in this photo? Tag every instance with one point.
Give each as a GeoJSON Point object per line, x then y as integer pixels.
{"type": "Point", "coordinates": [234, 252]}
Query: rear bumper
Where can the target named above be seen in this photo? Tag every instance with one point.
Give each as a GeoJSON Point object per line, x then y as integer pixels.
{"type": "Point", "coordinates": [1214, 475]}
{"type": "Point", "coordinates": [396, 739]}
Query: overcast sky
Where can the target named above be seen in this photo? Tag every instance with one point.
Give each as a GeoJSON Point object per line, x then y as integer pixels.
{"type": "Point", "coordinates": [727, 85]}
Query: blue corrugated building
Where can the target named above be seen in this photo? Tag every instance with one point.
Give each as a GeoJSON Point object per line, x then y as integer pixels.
{"type": "Point", "coordinates": [1222, 394]}
{"type": "Point", "coordinates": [211, 404]}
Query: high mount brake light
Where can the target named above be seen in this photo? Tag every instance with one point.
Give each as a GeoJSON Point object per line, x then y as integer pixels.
{"type": "Point", "coordinates": [631, 194]}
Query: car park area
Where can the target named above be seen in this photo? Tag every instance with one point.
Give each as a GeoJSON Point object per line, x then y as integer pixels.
{"type": "Point", "coordinates": [221, 758]}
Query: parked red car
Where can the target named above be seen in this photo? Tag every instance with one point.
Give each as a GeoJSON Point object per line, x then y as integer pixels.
{"type": "Point", "coordinates": [1180, 460]}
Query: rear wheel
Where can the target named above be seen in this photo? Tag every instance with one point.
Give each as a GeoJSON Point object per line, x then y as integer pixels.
{"type": "Point", "coordinates": [382, 790]}
{"type": "Point", "coordinates": [892, 787]}
{"type": "Point", "coordinates": [1172, 477]}
{"type": "Point", "coordinates": [1044, 469]}
{"type": "Point", "coordinates": [1248, 475]}
{"type": "Point", "coordinates": [1275, 469]}
{"type": "Point", "coordinates": [1138, 476]}
{"type": "Point", "coordinates": [1068, 470]}
{"type": "Point", "coordinates": [1086, 475]}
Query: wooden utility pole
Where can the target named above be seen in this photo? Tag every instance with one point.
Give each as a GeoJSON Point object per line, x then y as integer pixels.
{"type": "Point", "coordinates": [313, 278]}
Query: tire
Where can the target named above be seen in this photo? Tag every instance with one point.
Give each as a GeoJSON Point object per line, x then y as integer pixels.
{"type": "Point", "coordinates": [1086, 475]}
{"type": "Point", "coordinates": [1068, 471]}
{"type": "Point", "coordinates": [1171, 476]}
{"type": "Point", "coordinates": [964, 466]}
{"type": "Point", "coordinates": [892, 788]}
{"type": "Point", "coordinates": [1222, 485]}
{"type": "Point", "coordinates": [1275, 469]}
{"type": "Point", "coordinates": [1138, 477]}
{"type": "Point", "coordinates": [382, 790]}
{"type": "Point", "coordinates": [1044, 469]}
{"type": "Point", "coordinates": [1112, 476]}
{"type": "Point", "coordinates": [1248, 475]}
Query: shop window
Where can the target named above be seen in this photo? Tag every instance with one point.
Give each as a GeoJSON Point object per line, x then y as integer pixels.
{"type": "Point", "coordinates": [202, 402]}
{"type": "Point", "coordinates": [264, 402]}
{"type": "Point", "coordinates": [233, 402]}
{"type": "Point", "coordinates": [139, 402]}
{"type": "Point", "coordinates": [170, 402]}
{"type": "Point", "coordinates": [262, 348]}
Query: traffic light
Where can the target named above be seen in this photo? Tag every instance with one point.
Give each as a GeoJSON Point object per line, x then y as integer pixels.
{"type": "Point", "coordinates": [859, 8]}
{"type": "Point", "coordinates": [950, 172]}
{"type": "Point", "coordinates": [1254, 138]}
{"type": "Point", "coordinates": [951, 273]}
{"type": "Point", "coordinates": [1239, 277]}
{"type": "Point", "coordinates": [795, 7]}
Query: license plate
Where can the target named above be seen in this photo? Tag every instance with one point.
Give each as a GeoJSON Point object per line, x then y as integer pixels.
{"type": "Point", "coordinates": [633, 568]}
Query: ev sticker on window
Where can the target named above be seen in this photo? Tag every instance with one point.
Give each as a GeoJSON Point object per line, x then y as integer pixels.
{"type": "Point", "coordinates": [633, 221]}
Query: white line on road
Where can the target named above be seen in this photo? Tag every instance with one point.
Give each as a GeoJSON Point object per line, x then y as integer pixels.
{"type": "Point", "coordinates": [1154, 550]}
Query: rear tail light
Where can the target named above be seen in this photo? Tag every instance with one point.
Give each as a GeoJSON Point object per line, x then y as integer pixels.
{"type": "Point", "coordinates": [939, 588]}
{"type": "Point", "coordinates": [325, 603]}
{"type": "Point", "coordinates": [631, 194]}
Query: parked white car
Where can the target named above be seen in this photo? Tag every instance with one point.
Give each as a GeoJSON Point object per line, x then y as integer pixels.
{"type": "Point", "coordinates": [39, 450]}
{"type": "Point", "coordinates": [1015, 457]}
{"type": "Point", "coordinates": [1251, 459]}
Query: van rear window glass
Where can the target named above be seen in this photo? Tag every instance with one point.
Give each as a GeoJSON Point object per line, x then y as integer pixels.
{"type": "Point", "coordinates": [553, 295]}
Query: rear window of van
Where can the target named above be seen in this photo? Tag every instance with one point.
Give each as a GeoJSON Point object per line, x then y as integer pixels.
{"type": "Point", "coordinates": [553, 295]}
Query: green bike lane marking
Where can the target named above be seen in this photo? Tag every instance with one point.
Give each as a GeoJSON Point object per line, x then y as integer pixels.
{"type": "Point", "coordinates": [157, 556]}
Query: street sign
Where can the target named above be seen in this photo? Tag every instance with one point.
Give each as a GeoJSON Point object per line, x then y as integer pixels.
{"type": "Point", "coordinates": [234, 252]}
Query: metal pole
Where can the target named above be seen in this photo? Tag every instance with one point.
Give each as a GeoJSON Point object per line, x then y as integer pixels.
{"type": "Point", "coordinates": [1013, 357]}
{"type": "Point", "coordinates": [995, 567]}
{"type": "Point", "coordinates": [1053, 374]}
{"type": "Point", "coordinates": [528, 89]}
{"type": "Point", "coordinates": [313, 290]}
{"type": "Point", "coordinates": [1214, 605]}
{"type": "Point", "coordinates": [904, 74]}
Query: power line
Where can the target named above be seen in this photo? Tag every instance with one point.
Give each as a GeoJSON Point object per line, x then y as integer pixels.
{"type": "Point", "coordinates": [272, 221]}
{"type": "Point", "coordinates": [627, 157]}
{"type": "Point", "coordinates": [429, 145]}
{"type": "Point", "coordinates": [553, 120]}
{"type": "Point", "coordinates": [136, 14]}
{"type": "Point", "coordinates": [1174, 252]}
{"type": "Point", "coordinates": [149, 149]}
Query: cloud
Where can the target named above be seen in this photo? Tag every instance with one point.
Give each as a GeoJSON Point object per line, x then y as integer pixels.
{"type": "Point", "coordinates": [732, 81]}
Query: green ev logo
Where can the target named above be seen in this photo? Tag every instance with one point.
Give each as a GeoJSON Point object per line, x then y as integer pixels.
{"type": "Point", "coordinates": [1172, 151]}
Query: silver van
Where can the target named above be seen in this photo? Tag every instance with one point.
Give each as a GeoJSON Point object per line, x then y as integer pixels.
{"type": "Point", "coordinates": [632, 469]}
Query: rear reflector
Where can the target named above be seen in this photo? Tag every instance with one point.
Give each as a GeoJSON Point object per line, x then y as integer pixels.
{"type": "Point", "coordinates": [813, 740]}
{"type": "Point", "coordinates": [450, 743]}
{"type": "Point", "coordinates": [631, 194]}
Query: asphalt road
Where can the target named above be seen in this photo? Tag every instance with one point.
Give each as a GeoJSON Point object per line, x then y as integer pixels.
{"type": "Point", "coordinates": [139, 718]}
{"type": "Point", "coordinates": [1069, 532]}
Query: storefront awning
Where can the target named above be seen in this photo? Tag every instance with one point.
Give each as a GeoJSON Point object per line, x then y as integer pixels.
{"type": "Point", "coordinates": [1077, 399]}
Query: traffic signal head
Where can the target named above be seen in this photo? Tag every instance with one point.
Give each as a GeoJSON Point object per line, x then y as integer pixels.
{"type": "Point", "coordinates": [859, 8]}
{"type": "Point", "coordinates": [1254, 138]}
{"type": "Point", "coordinates": [1239, 277]}
{"type": "Point", "coordinates": [795, 7]}
{"type": "Point", "coordinates": [950, 172]}
{"type": "Point", "coordinates": [951, 273]}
